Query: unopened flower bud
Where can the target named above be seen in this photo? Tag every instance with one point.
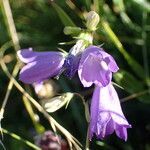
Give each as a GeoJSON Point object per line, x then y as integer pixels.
{"type": "Point", "coordinates": [45, 89]}
{"type": "Point", "coordinates": [92, 20]}
{"type": "Point", "coordinates": [72, 30]}
{"type": "Point", "coordinates": [50, 141]}
{"type": "Point", "coordinates": [55, 103]}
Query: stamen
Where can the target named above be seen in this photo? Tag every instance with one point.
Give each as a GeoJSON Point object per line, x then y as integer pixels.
{"type": "Point", "coordinates": [104, 65]}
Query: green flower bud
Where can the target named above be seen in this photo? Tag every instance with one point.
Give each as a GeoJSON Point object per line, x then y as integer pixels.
{"type": "Point", "coordinates": [55, 103]}
{"type": "Point", "coordinates": [72, 30]}
{"type": "Point", "coordinates": [92, 20]}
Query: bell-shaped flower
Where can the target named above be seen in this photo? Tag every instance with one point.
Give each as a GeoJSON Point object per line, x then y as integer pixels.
{"type": "Point", "coordinates": [106, 115]}
{"type": "Point", "coordinates": [96, 66]}
{"type": "Point", "coordinates": [39, 65]}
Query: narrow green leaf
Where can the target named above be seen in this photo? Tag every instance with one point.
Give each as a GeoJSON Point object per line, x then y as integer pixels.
{"type": "Point", "coordinates": [143, 4]}
{"type": "Point", "coordinates": [119, 5]}
{"type": "Point", "coordinates": [39, 128]}
{"type": "Point", "coordinates": [88, 4]}
{"type": "Point", "coordinates": [96, 5]}
{"type": "Point", "coordinates": [66, 20]}
{"type": "Point", "coordinates": [17, 137]}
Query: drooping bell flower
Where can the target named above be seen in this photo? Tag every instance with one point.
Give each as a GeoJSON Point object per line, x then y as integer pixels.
{"type": "Point", "coordinates": [96, 66]}
{"type": "Point", "coordinates": [39, 65]}
{"type": "Point", "coordinates": [106, 115]}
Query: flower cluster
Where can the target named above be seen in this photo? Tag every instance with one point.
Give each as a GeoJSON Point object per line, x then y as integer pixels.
{"type": "Point", "coordinates": [94, 67]}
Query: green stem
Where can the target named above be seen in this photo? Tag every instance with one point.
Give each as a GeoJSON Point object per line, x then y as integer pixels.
{"type": "Point", "coordinates": [15, 40]}
{"type": "Point", "coordinates": [10, 23]}
{"type": "Point", "coordinates": [144, 49]}
{"type": "Point", "coordinates": [39, 128]}
{"type": "Point", "coordinates": [13, 34]}
{"type": "Point", "coordinates": [17, 137]}
{"type": "Point", "coordinates": [135, 95]}
{"type": "Point", "coordinates": [87, 146]}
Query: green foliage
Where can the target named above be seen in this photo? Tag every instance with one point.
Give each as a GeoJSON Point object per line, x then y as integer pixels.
{"type": "Point", "coordinates": [124, 30]}
{"type": "Point", "coordinates": [66, 20]}
{"type": "Point", "coordinates": [132, 85]}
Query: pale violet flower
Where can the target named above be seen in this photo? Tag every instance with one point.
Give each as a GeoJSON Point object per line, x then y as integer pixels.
{"type": "Point", "coordinates": [39, 65]}
{"type": "Point", "coordinates": [96, 66]}
{"type": "Point", "coordinates": [106, 115]}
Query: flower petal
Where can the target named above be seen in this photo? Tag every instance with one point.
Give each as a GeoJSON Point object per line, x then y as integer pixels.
{"type": "Point", "coordinates": [28, 55]}
{"type": "Point", "coordinates": [99, 118]}
{"type": "Point", "coordinates": [102, 123]}
{"type": "Point", "coordinates": [106, 114]}
{"type": "Point", "coordinates": [92, 70]}
{"type": "Point", "coordinates": [42, 67]}
{"type": "Point", "coordinates": [109, 128]}
{"type": "Point", "coordinates": [108, 58]}
{"type": "Point", "coordinates": [112, 65]}
{"type": "Point", "coordinates": [116, 111]}
{"type": "Point", "coordinates": [121, 132]}
{"type": "Point", "coordinates": [94, 112]}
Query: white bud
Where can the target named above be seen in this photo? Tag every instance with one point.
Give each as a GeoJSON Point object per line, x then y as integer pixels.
{"type": "Point", "coordinates": [92, 20]}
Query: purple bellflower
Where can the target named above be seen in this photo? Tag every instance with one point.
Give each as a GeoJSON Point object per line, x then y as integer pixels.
{"type": "Point", "coordinates": [96, 66]}
{"type": "Point", "coordinates": [106, 114]}
{"type": "Point", "coordinates": [43, 65]}
{"type": "Point", "coordinates": [39, 65]}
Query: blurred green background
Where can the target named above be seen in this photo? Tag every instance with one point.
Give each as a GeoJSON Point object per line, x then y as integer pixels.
{"type": "Point", "coordinates": [40, 24]}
